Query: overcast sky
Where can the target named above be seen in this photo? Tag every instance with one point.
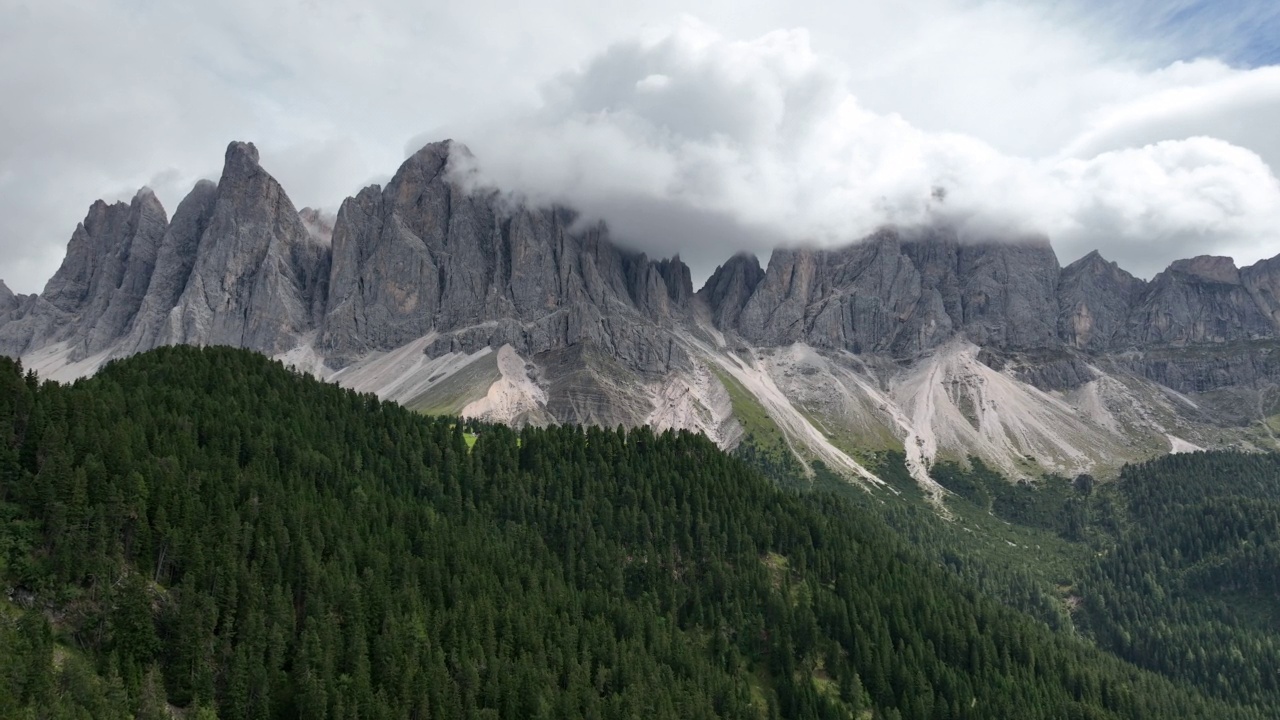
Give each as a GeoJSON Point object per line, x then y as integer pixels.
{"type": "Point", "coordinates": [1146, 131]}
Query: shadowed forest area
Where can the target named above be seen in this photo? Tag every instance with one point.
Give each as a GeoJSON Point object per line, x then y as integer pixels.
{"type": "Point", "coordinates": [203, 531]}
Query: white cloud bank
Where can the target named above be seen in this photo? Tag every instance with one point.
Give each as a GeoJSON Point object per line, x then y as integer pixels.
{"type": "Point", "coordinates": [1036, 116]}
{"type": "Point", "coordinates": [692, 142]}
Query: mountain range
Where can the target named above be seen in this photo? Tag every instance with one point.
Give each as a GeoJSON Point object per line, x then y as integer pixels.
{"type": "Point", "coordinates": [452, 298]}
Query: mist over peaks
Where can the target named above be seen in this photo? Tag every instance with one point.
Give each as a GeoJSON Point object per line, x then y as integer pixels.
{"type": "Point", "coordinates": [690, 139]}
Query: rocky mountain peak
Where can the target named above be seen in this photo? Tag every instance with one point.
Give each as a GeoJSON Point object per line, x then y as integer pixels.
{"type": "Point", "coordinates": [429, 163]}
{"type": "Point", "coordinates": [258, 278]}
{"type": "Point", "coordinates": [1208, 267]}
{"type": "Point", "coordinates": [1263, 282]}
{"type": "Point", "coordinates": [727, 290]}
{"type": "Point", "coordinates": [96, 292]}
{"type": "Point", "coordinates": [906, 292]}
{"type": "Point", "coordinates": [8, 301]}
{"type": "Point", "coordinates": [676, 276]}
{"type": "Point", "coordinates": [426, 254]}
{"type": "Point", "coordinates": [429, 274]}
{"type": "Point", "coordinates": [1199, 300]}
{"type": "Point", "coordinates": [240, 156]}
{"type": "Point", "coordinates": [1095, 297]}
{"type": "Point", "coordinates": [157, 322]}
{"type": "Point", "coordinates": [1091, 262]}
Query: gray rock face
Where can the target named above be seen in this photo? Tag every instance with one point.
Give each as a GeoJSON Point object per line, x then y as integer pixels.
{"type": "Point", "coordinates": [727, 290]}
{"type": "Point", "coordinates": [1205, 368]}
{"type": "Point", "coordinates": [429, 256]}
{"type": "Point", "coordinates": [1262, 280]}
{"type": "Point", "coordinates": [12, 307]}
{"type": "Point", "coordinates": [426, 254]}
{"type": "Point", "coordinates": [25, 323]}
{"type": "Point", "coordinates": [1096, 298]}
{"type": "Point", "coordinates": [237, 266]}
{"type": "Point", "coordinates": [1048, 370]}
{"type": "Point", "coordinates": [257, 271]}
{"type": "Point", "coordinates": [95, 294]}
{"type": "Point", "coordinates": [8, 301]}
{"type": "Point", "coordinates": [905, 295]}
{"type": "Point", "coordinates": [859, 298]}
{"type": "Point", "coordinates": [156, 320]}
{"type": "Point", "coordinates": [1201, 300]}
{"type": "Point", "coordinates": [117, 288]}
{"type": "Point", "coordinates": [1008, 293]}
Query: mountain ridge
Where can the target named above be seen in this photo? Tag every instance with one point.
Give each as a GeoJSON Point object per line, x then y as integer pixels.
{"type": "Point", "coordinates": [450, 298]}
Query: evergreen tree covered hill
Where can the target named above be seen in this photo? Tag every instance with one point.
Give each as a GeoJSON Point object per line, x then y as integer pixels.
{"type": "Point", "coordinates": [1192, 587]}
{"type": "Point", "coordinates": [204, 529]}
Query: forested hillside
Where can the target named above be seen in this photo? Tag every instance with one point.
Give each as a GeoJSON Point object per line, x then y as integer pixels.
{"type": "Point", "coordinates": [203, 531]}
{"type": "Point", "coordinates": [1174, 566]}
{"type": "Point", "coordinates": [1193, 587]}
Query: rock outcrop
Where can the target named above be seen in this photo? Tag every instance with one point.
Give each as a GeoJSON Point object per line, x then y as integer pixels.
{"type": "Point", "coordinates": [727, 290]}
{"type": "Point", "coordinates": [905, 294]}
{"type": "Point", "coordinates": [237, 266]}
{"type": "Point", "coordinates": [1095, 297]}
{"type": "Point", "coordinates": [1008, 293]}
{"type": "Point", "coordinates": [461, 284]}
{"type": "Point", "coordinates": [8, 301]}
{"type": "Point", "coordinates": [258, 275]}
{"type": "Point", "coordinates": [1201, 300]}
{"type": "Point", "coordinates": [93, 297]}
{"type": "Point", "coordinates": [157, 320]}
{"type": "Point", "coordinates": [426, 254]}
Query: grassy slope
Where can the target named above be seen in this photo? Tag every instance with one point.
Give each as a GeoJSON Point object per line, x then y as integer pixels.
{"type": "Point", "coordinates": [755, 420]}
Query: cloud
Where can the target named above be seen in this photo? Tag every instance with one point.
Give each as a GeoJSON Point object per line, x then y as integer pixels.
{"type": "Point", "coordinates": [1176, 198]}
{"type": "Point", "coordinates": [764, 142]}
{"type": "Point", "coordinates": [1241, 107]}
{"type": "Point", "coordinates": [103, 96]}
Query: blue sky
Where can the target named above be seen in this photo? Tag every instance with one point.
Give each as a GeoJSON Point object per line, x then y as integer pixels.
{"type": "Point", "coordinates": [1244, 33]}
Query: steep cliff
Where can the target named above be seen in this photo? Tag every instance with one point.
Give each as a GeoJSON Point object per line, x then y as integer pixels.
{"type": "Point", "coordinates": [427, 255]}
{"type": "Point", "coordinates": [453, 298]}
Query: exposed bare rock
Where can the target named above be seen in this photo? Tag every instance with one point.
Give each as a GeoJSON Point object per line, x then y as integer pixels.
{"type": "Point", "coordinates": [93, 297]}
{"type": "Point", "coordinates": [727, 290]}
{"type": "Point", "coordinates": [453, 298]}
{"type": "Point", "coordinates": [1008, 292]}
{"type": "Point", "coordinates": [14, 307]}
{"type": "Point", "coordinates": [1254, 365]}
{"type": "Point", "coordinates": [1200, 300]}
{"type": "Point", "coordinates": [258, 272]}
{"type": "Point", "coordinates": [174, 261]}
{"type": "Point", "coordinates": [1096, 297]}
{"type": "Point", "coordinates": [8, 301]}
{"type": "Point", "coordinates": [906, 294]}
{"type": "Point", "coordinates": [111, 310]}
{"type": "Point", "coordinates": [427, 254]}
{"type": "Point", "coordinates": [1262, 280]}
